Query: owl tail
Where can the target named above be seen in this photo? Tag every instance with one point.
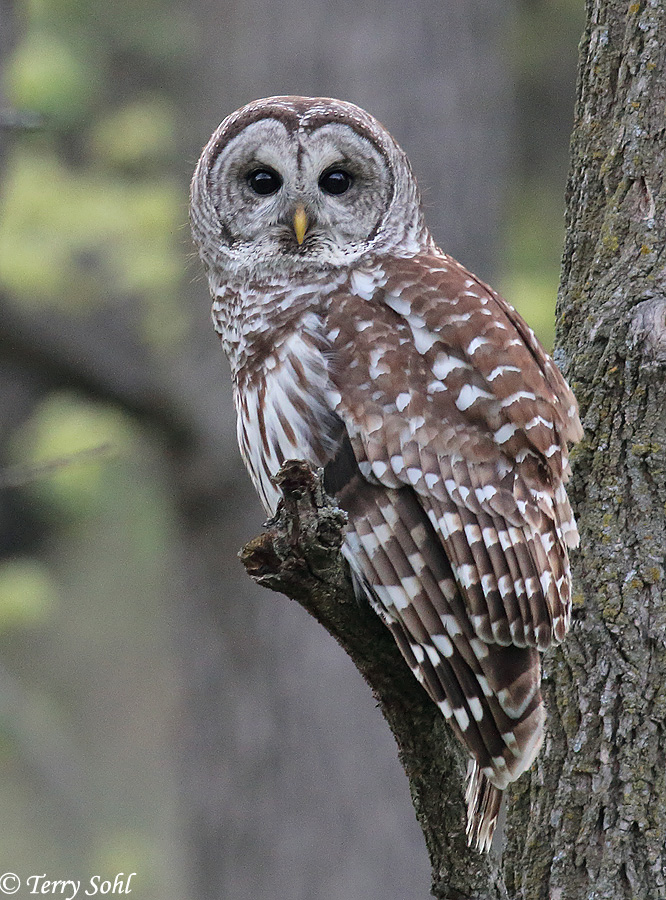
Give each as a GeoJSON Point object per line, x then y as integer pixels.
{"type": "Point", "coordinates": [483, 806]}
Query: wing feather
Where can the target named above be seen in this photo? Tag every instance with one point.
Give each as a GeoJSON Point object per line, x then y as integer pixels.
{"type": "Point", "coordinates": [492, 442]}
{"type": "Point", "coordinates": [397, 557]}
{"type": "Point", "coordinates": [458, 423]}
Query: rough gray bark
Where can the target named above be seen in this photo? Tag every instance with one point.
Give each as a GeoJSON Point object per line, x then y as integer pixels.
{"type": "Point", "coordinates": [597, 824]}
{"type": "Point", "coordinates": [590, 821]}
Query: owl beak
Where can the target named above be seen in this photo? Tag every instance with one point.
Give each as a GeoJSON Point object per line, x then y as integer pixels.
{"type": "Point", "coordinates": [300, 222]}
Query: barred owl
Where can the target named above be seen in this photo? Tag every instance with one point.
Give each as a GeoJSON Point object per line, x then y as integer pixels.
{"type": "Point", "coordinates": [441, 424]}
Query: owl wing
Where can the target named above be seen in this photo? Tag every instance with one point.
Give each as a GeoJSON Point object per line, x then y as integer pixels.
{"type": "Point", "coordinates": [452, 473]}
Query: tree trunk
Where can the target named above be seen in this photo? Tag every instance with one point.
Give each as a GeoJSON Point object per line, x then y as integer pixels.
{"type": "Point", "coordinates": [597, 823]}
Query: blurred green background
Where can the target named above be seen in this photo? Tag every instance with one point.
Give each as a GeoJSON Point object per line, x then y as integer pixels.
{"type": "Point", "coordinates": [112, 429]}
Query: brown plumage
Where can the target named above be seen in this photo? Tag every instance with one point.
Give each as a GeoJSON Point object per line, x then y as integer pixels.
{"type": "Point", "coordinates": [441, 423]}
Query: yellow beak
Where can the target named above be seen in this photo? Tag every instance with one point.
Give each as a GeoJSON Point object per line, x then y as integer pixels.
{"type": "Point", "coordinates": [300, 224]}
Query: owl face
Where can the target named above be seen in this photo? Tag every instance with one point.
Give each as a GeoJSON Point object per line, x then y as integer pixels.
{"type": "Point", "coordinates": [290, 184]}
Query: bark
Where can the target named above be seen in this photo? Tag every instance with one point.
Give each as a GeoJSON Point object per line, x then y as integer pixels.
{"type": "Point", "coordinates": [598, 812]}
{"type": "Point", "coordinates": [590, 820]}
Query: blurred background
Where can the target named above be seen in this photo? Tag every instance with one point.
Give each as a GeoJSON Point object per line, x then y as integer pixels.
{"type": "Point", "coordinates": [158, 713]}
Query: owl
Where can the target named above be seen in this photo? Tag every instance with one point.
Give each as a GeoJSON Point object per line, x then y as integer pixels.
{"type": "Point", "coordinates": [440, 423]}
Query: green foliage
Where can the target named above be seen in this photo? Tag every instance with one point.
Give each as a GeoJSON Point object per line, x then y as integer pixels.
{"type": "Point", "coordinates": [27, 592]}
{"type": "Point", "coordinates": [160, 32]}
{"type": "Point", "coordinates": [544, 79]}
{"type": "Point", "coordinates": [136, 137]}
{"type": "Point", "coordinates": [535, 235]}
{"type": "Point", "coordinates": [534, 298]}
{"type": "Point", "coordinates": [130, 851]}
{"type": "Point", "coordinates": [74, 439]}
{"type": "Point", "coordinates": [92, 206]}
{"type": "Point", "coordinates": [90, 215]}
{"type": "Point", "coordinates": [48, 76]}
{"type": "Point", "coordinates": [78, 239]}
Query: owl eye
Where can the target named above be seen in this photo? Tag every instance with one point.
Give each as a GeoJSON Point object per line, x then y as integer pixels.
{"type": "Point", "coordinates": [335, 181]}
{"type": "Point", "coordinates": [264, 181]}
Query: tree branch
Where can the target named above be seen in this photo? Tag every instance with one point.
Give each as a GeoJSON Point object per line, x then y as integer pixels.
{"type": "Point", "coordinates": [299, 555]}
{"type": "Point", "coordinates": [88, 354]}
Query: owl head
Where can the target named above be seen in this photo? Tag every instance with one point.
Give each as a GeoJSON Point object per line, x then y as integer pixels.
{"type": "Point", "coordinates": [293, 184]}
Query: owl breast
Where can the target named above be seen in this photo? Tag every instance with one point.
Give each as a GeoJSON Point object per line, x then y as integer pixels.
{"type": "Point", "coordinates": [284, 402]}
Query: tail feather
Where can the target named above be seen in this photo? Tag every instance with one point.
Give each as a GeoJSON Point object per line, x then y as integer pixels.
{"type": "Point", "coordinates": [483, 806]}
